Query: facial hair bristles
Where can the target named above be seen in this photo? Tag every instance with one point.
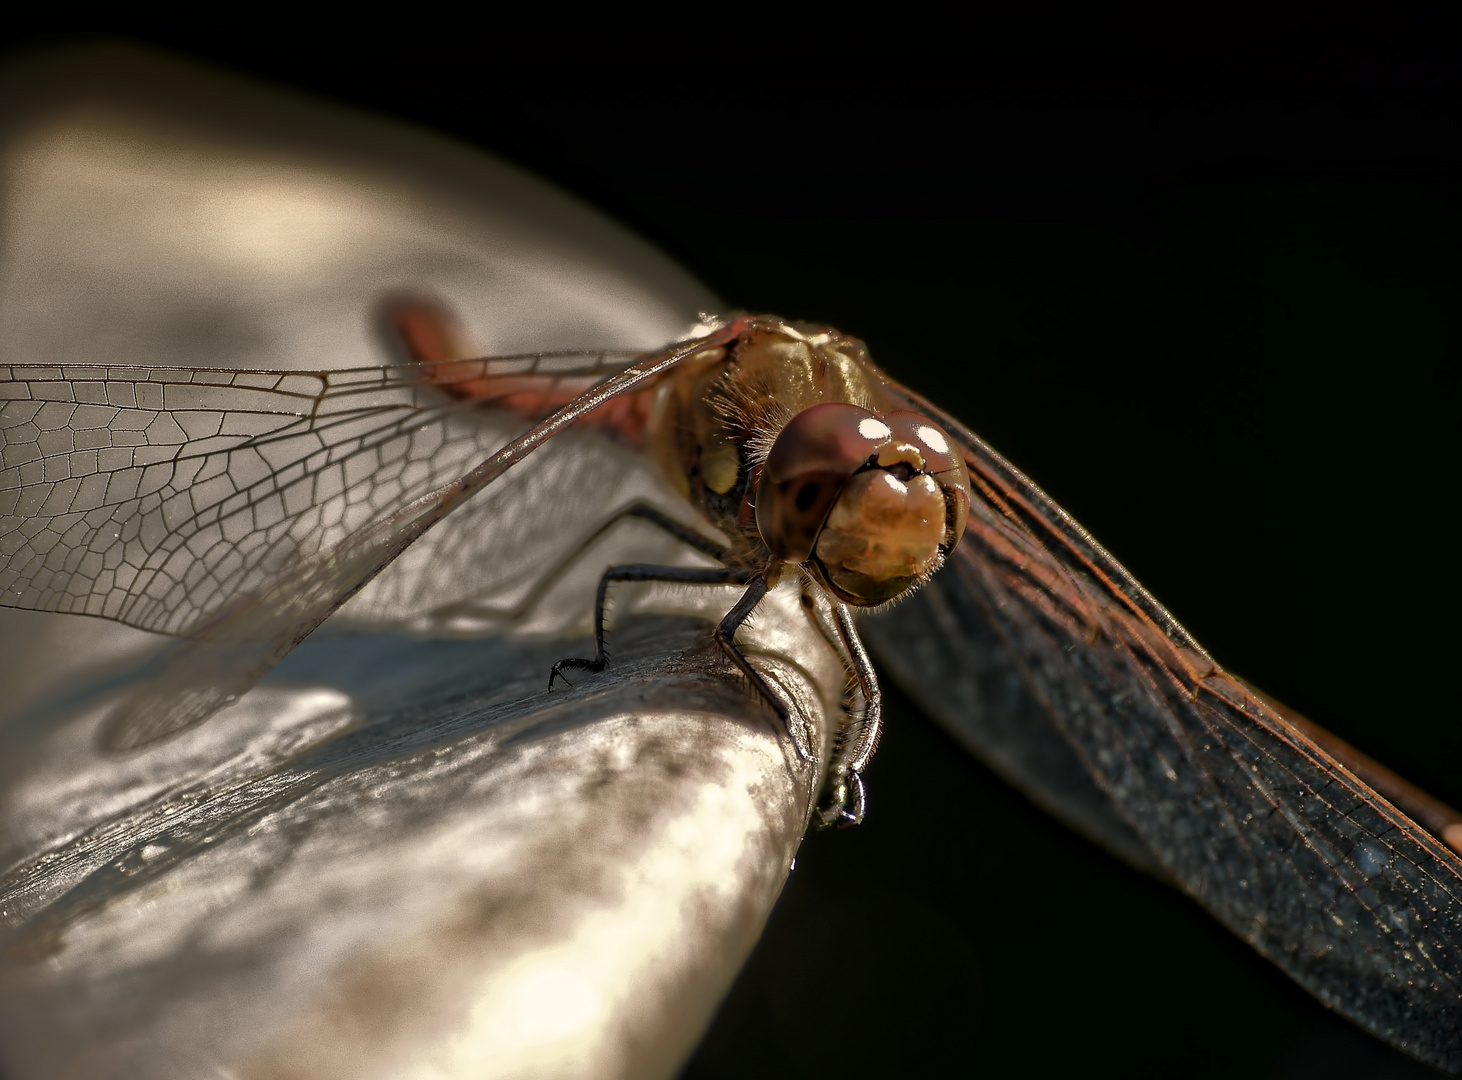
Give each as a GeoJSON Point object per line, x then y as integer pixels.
{"type": "Point", "coordinates": [752, 406]}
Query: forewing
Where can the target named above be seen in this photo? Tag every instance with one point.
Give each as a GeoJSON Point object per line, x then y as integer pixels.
{"type": "Point", "coordinates": [1281, 843]}
{"type": "Point", "coordinates": [156, 496]}
{"type": "Point", "coordinates": [242, 508]}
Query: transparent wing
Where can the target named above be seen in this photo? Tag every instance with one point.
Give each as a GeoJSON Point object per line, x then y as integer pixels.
{"type": "Point", "coordinates": [1285, 846]}
{"type": "Point", "coordinates": [239, 509]}
{"type": "Point", "coordinates": [510, 557]}
{"type": "Point", "coordinates": [155, 496]}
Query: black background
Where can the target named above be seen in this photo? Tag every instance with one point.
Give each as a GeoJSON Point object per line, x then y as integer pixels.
{"type": "Point", "coordinates": [1196, 274]}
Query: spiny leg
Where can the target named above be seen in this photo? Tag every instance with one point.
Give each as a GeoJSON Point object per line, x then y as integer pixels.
{"type": "Point", "coordinates": [726, 638]}
{"type": "Point", "coordinates": [687, 535]}
{"type": "Point", "coordinates": [847, 801]}
{"type": "Point", "coordinates": [674, 574]}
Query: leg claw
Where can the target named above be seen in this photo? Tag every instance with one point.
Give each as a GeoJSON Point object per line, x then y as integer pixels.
{"type": "Point", "coordinates": [845, 803]}
{"type": "Point", "coordinates": [592, 666]}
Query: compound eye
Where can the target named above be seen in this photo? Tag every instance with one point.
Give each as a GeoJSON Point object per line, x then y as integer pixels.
{"type": "Point", "coordinates": [811, 460]}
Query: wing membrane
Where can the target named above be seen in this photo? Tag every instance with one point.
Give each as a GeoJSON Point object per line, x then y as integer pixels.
{"type": "Point", "coordinates": [243, 540]}
{"type": "Point", "coordinates": [1261, 825]}
{"type": "Point", "coordinates": [155, 496]}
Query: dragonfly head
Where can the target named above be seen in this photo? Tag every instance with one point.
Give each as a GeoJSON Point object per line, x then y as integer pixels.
{"type": "Point", "coordinates": [868, 502]}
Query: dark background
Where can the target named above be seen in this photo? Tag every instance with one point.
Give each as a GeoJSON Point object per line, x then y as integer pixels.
{"type": "Point", "coordinates": [1196, 274]}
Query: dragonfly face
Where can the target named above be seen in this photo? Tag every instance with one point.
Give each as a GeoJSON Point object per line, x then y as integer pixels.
{"type": "Point", "coordinates": [870, 504]}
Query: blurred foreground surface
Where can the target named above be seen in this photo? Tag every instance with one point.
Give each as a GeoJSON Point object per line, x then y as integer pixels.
{"type": "Point", "coordinates": [399, 856]}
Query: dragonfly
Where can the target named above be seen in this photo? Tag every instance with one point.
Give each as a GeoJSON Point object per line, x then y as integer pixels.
{"type": "Point", "coordinates": [237, 510]}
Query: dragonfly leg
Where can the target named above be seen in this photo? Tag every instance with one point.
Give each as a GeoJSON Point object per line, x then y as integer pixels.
{"type": "Point", "coordinates": [675, 574]}
{"type": "Point", "coordinates": [846, 800]}
{"type": "Point", "coordinates": [726, 638]}
{"type": "Point", "coordinates": [692, 538]}
{"type": "Point", "coordinates": [687, 535]}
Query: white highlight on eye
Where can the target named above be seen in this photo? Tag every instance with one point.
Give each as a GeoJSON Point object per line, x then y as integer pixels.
{"type": "Point", "coordinates": [895, 483]}
{"type": "Point", "coordinates": [933, 438]}
{"type": "Point", "coordinates": [870, 427]}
